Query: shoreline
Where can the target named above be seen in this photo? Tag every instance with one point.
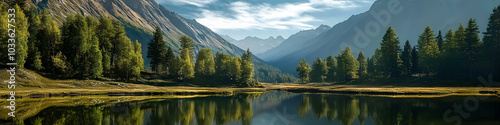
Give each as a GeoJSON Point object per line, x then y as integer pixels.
{"type": "Point", "coordinates": [149, 90]}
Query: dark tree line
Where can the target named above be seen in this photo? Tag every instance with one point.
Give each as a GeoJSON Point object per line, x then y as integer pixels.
{"type": "Point", "coordinates": [460, 54]}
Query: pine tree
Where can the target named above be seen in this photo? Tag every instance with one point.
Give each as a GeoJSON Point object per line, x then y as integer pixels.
{"type": "Point", "coordinates": [439, 40]}
{"type": "Point", "coordinates": [363, 65]}
{"type": "Point", "coordinates": [234, 69]}
{"type": "Point", "coordinates": [472, 44]}
{"type": "Point", "coordinates": [390, 60]}
{"type": "Point", "coordinates": [157, 50]}
{"type": "Point", "coordinates": [93, 55]}
{"type": "Point", "coordinates": [319, 71]}
{"type": "Point", "coordinates": [187, 43]}
{"type": "Point", "coordinates": [347, 66]}
{"type": "Point", "coordinates": [138, 62]}
{"type": "Point", "coordinates": [331, 63]}
{"type": "Point", "coordinates": [451, 57]}
{"type": "Point", "coordinates": [370, 66]}
{"type": "Point", "coordinates": [428, 51]}
{"type": "Point", "coordinates": [221, 69]}
{"type": "Point", "coordinates": [74, 37]}
{"type": "Point", "coordinates": [406, 57]}
{"type": "Point", "coordinates": [48, 36]}
{"type": "Point", "coordinates": [247, 69]}
{"type": "Point", "coordinates": [304, 71]}
{"type": "Point", "coordinates": [492, 42]}
{"type": "Point", "coordinates": [106, 34]}
{"type": "Point", "coordinates": [168, 64]}
{"type": "Point", "coordinates": [414, 60]}
{"type": "Point", "coordinates": [377, 62]}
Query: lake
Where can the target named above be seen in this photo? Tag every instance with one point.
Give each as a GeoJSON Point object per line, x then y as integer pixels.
{"type": "Point", "coordinates": [270, 108]}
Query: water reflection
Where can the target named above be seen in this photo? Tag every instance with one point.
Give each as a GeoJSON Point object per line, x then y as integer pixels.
{"type": "Point", "coordinates": [269, 108]}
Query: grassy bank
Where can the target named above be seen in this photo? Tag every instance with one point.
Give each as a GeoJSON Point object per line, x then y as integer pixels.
{"type": "Point", "coordinates": [32, 84]}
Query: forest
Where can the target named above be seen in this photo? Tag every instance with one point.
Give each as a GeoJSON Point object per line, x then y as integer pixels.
{"type": "Point", "coordinates": [458, 55]}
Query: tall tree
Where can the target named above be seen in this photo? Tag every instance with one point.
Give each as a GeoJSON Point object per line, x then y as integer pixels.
{"type": "Point", "coordinates": [363, 64]}
{"type": "Point", "coordinates": [106, 33]}
{"type": "Point", "coordinates": [319, 71]}
{"type": "Point", "coordinates": [472, 44]}
{"type": "Point", "coordinates": [439, 40]}
{"type": "Point", "coordinates": [492, 42]}
{"type": "Point", "coordinates": [414, 60]}
{"type": "Point", "coordinates": [406, 58]}
{"type": "Point", "coordinates": [451, 57]}
{"type": "Point", "coordinates": [187, 68]}
{"type": "Point", "coordinates": [168, 64]}
{"type": "Point", "coordinates": [370, 66]}
{"type": "Point", "coordinates": [157, 50]}
{"type": "Point", "coordinates": [304, 69]}
{"type": "Point", "coordinates": [21, 37]}
{"type": "Point", "coordinates": [187, 43]}
{"type": "Point", "coordinates": [234, 69]}
{"type": "Point", "coordinates": [428, 51]}
{"type": "Point", "coordinates": [93, 55]}
{"type": "Point", "coordinates": [48, 36]}
{"type": "Point", "coordinates": [75, 37]}
{"type": "Point", "coordinates": [205, 65]}
{"type": "Point", "coordinates": [331, 63]}
{"type": "Point", "coordinates": [247, 69]}
{"type": "Point", "coordinates": [390, 60]}
{"type": "Point", "coordinates": [347, 68]}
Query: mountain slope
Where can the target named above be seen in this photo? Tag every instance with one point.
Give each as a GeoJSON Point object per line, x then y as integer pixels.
{"type": "Point", "coordinates": [409, 23]}
{"type": "Point", "coordinates": [258, 45]}
{"type": "Point", "coordinates": [294, 42]}
{"type": "Point", "coordinates": [140, 17]}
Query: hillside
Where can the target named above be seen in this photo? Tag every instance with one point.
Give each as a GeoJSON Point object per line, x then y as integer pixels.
{"type": "Point", "coordinates": [140, 17]}
{"type": "Point", "coordinates": [409, 23]}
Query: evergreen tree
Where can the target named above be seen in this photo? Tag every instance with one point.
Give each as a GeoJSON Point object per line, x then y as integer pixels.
{"type": "Point", "coordinates": [319, 71]}
{"type": "Point", "coordinates": [331, 63]}
{"type": "Point", "coordinates": [157, 50]}
{"type": "Point", "coordinates": [439, 40]}
{"type": "Point", "coordinates": [106, 33]}
{"type": "Point", "coordinates": [74, 37]}
{"type": "Point", "coordinates": [34, 60]}
{"type": "Point", "coordinates": [221, 69]}
{"type": "Point", "coordinates": [187, 43]}
{"type": "Point", "coordinates": [472, 44]}
{"type": "Point", "coordinates": [234, 69]}
{"type": "Point", "coordinates": [48, 36]}
{"type": "Point", "coordinates": [363, 65]}
{"type": "Point", "coordinates": [304, 71]}
{"type": "Point", "coordinates": [451, 57]}
{"type": "Point", "coordinates": [168, 64]}
{"type": "Point", "coordinates": [406, 57]}
{"type": "Point", "coordinates": [205, 64]}
{"type": "Point", "coordinates": [138, 61]}
{"type": "Point", "coordinates": [414, 60]}
{"type": "Point", "coordinates": [428, 51]}
{"type": "Point", "coordinates": [390, 60]}
{"type": "Point", "coordinates": [492, 42]}
{"type": "Point", "coordinates": [247, 69]}
{"type": "Point", "coordinates": [377, 62]}
{"type": "Point", "coordinates": [93, 55]}
{"type": "Point", "coordinates": [370, 66]}
{"type": "Point", "coordinates": [347, 68]}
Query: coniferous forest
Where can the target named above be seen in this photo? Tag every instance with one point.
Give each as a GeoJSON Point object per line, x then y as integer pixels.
{"type": "Point", "coordinates": [459, 54]}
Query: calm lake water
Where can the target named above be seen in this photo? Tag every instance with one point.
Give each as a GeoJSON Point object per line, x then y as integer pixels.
{"type": "Point", "coordinates": [279, 108]}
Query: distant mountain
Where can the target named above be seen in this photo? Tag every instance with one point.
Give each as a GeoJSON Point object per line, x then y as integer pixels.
{"type": "Point", "coordinates": [229, 39]}
{"type": "Point", "coordinates": [363, 32]}
{"type": "Point", "coordinates": [140, 17]}
{"type": "Point", "coordinates": [294, 42]}
{"type": "Point", "coordinates": [258, 45]}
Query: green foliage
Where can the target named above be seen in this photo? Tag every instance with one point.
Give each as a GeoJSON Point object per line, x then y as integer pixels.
{"type": "Point", "coordinates": [428, 51]}
{"type": "Point", "coordinates": [60, 65]}
{"type": "Point", "coordinates": [331, 63]}
{"type": "Point", "coordinates": [157, 50]}
{"type": "Point", "coordinates": [319, 71]}
{"type": "Point", "coordinates": [187, 43]}
{"type": "Point", "coordinates": [205, 64]}
{"type": "Point", "coordinates": [472, 44]}
{"type": "Point", "coordinates": [492, 42]}
{"type": "Point", "coordinates": [439, 40]}
{"type": "Point", "coordinates": [347, 66]}
{"type": "Point", "coordinates": [304, 69]}
{"type": "Point", "coordinates": [406, 57]}
{"type": "Point", "coordinates": [414, 60]}
{"type": "Point", "coordinates": [363, 65]}
{"type": "Point", "coordinates": [247, 69]}
{"type": "Point", "coordinates": [187, 68]}
{"type": "Point", "coordinates": [106, 33]}
{"type": "Point", "coordinates": [390, 60]}
{"type": "Point", "coordinates": [21, 23]}
{"type": "Point", "coordinates": [169, 63]}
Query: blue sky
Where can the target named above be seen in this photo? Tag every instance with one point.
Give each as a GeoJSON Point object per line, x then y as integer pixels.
{"type": "Point", "coordinates": [264, 18]}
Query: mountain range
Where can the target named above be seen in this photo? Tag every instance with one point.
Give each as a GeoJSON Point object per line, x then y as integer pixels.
{"type": "Point", "coordinates": [364, 31]}
{"type": "Point", "coordinates": [140, 17]}
{"type": "Point", "coordinates": [255, 44]}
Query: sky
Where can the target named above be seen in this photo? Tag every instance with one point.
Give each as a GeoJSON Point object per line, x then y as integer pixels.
{"type": "Point", "coordinates": [264, 18]}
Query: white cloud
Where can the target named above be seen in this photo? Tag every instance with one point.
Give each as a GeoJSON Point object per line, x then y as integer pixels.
{"type": "Point", "coordinates": [198, 3]}
{"type": "Point", "coordinates": [243, 15]}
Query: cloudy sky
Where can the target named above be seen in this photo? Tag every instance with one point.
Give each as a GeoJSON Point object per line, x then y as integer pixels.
{"type": "Point", "coordinates": [265, 18]}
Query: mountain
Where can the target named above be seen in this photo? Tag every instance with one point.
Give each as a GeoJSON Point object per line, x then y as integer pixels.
{"type": "Point", "coordinates": [294, 42]}
{"type": "Point", "coordinates": [229, 39]}
{"type": "Point", "coordinates": [140, 17]}
{"type": "Point", "coordinates": [363, 32]}
{"type": "Point", "coordinates": [258, 45]}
